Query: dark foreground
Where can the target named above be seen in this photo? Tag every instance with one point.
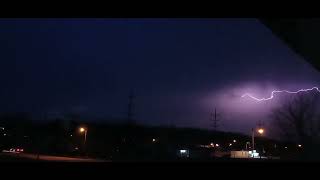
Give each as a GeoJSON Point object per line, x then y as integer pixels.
{"type": "Point", "coordinates": [10, 158]}
{"type": "Point", "coordinates": [23, 157]}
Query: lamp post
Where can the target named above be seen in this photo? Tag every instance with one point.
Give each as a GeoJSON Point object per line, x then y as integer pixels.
{"type": "Point", "coordinates": [252, 138]}
{"type": "Point", "coordinates": [247, 145]}
{"type": "Point", "coordinates": [85, 131]}
{"type": "Point", "coordinates": [260, 130]}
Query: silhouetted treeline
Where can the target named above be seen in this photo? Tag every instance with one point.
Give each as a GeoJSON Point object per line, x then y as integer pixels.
{"type": "Point", "coordinates": [112, 141]}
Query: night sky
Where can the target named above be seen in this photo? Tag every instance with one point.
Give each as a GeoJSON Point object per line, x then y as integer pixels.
{"type": "Point", "coordinates": [180, 69]}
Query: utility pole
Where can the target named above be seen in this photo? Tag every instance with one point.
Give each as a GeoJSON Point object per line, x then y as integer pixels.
{"type": "Point", "coordinates": [252, 138]}
{"type": "Point", "coordinates": [215, 118]}
{"type": "Point", "coordinates": [128, 138]}
{"type": "Point", "coordinates": [130, 107]}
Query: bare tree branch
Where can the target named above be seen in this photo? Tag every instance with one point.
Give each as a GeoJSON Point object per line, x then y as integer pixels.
{"type": "Point", "coordinates": [298, 119]}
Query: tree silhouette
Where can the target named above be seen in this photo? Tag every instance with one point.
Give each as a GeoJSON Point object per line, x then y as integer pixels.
{"type": "Point", "coordinates": [298, 121]}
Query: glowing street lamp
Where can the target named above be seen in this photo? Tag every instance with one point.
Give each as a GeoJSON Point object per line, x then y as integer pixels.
{"type": "Point", "coordinates": [260, 131]}
{"type": "Point", "coordinates": [84, 130]}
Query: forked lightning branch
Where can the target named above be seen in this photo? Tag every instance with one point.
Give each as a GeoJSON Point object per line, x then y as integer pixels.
{"type": "Point", "coordinates": [279, 91]}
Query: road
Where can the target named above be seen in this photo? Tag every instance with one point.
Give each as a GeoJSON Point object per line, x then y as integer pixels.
{"type": "Point", "coordinates": [35, 157]}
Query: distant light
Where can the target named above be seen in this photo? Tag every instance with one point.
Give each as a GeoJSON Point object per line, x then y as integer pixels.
{"type": "Point", "coordinates": [76, 148]}
{"type": "Point", "coordinates": [217, 145]}
{"type": "Point", "coordinates": [300, 145]}
{"type": "Point", "coordinates": [286, 147]}
{"type": "Point", "coordinates": [71, 135]}
{"type": "Point", "coordinates": [4, 134]}
{"type": "Point", "coordinates": [230, 144]}
{"type": "Point", "coordinates": [183, 151]}
{"type": "Point", "coordinates": [211, 144]}
{"type": "Point", "coordinates": [260, 131]}
{"type": "Point", "coordinates": [255, 155]}
{"type": "Point", "coordinates": [234, 141]}
{"type": "Point", "coordinates": [153, 140]}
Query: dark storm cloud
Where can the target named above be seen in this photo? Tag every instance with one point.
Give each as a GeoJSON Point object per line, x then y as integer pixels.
{"type": "Point", "coordinates": [179, 69]}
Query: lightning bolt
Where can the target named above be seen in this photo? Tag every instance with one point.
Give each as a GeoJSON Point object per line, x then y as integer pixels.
{"type": "Point", "coordinates": [279, 91]}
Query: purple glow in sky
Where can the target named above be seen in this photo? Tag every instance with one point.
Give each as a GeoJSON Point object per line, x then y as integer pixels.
{"type": "Point", "coordinates": [242, 112]}
{"type": "Point", "coordinates": [180, 69]}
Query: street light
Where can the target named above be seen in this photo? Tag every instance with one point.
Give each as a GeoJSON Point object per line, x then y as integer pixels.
{"type": "Point", "coordinates": [82, 129]}
{"type": "Point", "coordinates": [85, 131]}
{"type": "Point", "coordinates": [260, 131]}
